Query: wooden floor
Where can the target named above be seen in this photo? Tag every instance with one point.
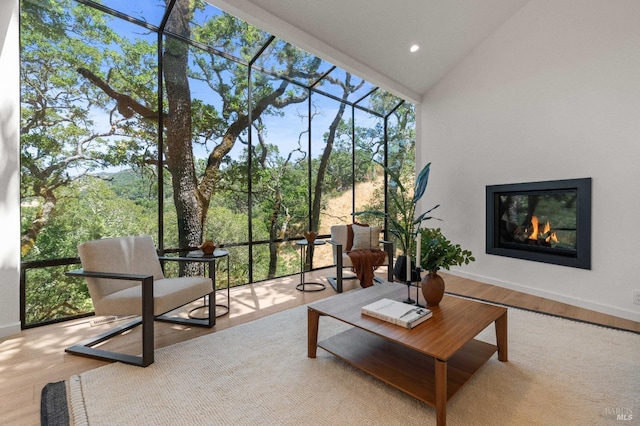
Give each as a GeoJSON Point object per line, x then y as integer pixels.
{"type": "Point", "coordinates": [36, 357]}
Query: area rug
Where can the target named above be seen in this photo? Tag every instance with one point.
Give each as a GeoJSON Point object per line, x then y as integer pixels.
{"type": "Point", "coordinates": [560, 372]}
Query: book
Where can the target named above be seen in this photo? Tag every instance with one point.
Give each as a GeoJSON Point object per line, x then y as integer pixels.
{"type": "Point", "coordinates": [398, 313]}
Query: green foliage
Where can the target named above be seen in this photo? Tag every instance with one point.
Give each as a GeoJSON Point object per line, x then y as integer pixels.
{"type": "Point", "coordinates": [403, 222]}
{"type": "Point", "coordinates": [52, 295]}
{"type": "Point", "coordinates": [57, 115]}
{"type": "Point", "coordinates": [88, 209]}
{"type": "Point", "coordinates": [437, 252]}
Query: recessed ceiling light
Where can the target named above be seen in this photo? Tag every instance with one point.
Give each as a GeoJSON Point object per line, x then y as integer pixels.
{"type": "Point", "coordinates": [414, 48]}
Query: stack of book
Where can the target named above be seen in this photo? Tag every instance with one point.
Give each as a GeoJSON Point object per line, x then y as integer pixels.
{"type": "Point", "coordinates": [398, 313]}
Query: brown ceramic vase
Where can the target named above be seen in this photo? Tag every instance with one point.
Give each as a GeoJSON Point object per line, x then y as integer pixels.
{"type": "Point", "coordinates": [208, 247]}
{"type": "Point", "coordinates": [432, 288]}
{"type": "Point", "coordinates": [310, 236]}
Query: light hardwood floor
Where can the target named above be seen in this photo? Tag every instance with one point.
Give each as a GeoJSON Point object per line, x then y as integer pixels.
{"type": "Point", "coordinates": [36, 357]}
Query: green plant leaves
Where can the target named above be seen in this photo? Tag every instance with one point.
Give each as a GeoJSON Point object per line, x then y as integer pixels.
{"type": "Point", "coordinates": [421, 183]}
{"type": "Point", "coordinates": [440, 253]}
{"type": "Point", "coordinates": [406, 224]}
{"type": "Point", "coordinates": [424, 216]}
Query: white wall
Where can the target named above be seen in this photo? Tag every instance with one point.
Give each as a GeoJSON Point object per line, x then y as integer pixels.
{"type": "Point", "coordinates": [9, 170]}
{"type": "Point", "coordinates": [553, 94]}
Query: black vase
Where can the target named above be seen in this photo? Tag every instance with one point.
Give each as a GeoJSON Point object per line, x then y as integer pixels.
{"type": "Point", "coordinates": [400, 270]}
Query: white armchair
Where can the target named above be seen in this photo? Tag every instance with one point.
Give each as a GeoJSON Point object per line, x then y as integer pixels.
{"type": "Point", "coordinates": [124, 277]}
{"type": "Point", "coordinates": [340, 245]}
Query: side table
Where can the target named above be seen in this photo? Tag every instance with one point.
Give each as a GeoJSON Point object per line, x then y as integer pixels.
{"type": "Point", "coordinates": [210, 259]}
{"type": "Point", "coordinates": [316, 286]}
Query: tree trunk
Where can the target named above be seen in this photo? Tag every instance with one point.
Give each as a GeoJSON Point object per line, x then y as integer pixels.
{"type": "Point", "coordinates": [178, 149]}
{"type": "Point", "coordinates": [43, 216]}
{"type": "Point", "coordinates": [322, 170]}
{"type": "Point", "coordinates": [273, 235]}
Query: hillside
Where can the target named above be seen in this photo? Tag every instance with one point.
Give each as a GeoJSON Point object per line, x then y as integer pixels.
{"type": "Point", "coordinates": [339, 209]}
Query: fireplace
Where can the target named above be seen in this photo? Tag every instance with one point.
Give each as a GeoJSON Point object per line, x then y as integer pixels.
{"type": "Point", "coordinates": [541, 221]}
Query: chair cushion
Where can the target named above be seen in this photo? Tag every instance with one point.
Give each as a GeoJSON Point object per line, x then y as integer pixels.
{"type": "Point", "coordinates": [168, 293]}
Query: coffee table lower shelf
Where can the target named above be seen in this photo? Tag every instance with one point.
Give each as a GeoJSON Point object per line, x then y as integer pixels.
{"type": "Point", "coordinates": [410, 371]}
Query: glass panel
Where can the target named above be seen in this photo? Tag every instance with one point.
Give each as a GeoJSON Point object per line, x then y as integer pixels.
{"type": "Point", "coordinates": [205, 149]}
{"type": "Point", "coordinates": [356, 87]}
{"type": "Point", "coordinates": [331, 154]}
{"type": "Point", "coordinates": [151, 11]}
{"type": "Point", "coordinates": [290, 264]}
{"type": "Point", "coordinates": [219, 91]}
{"type": "Point", "coordinates": [183, 97]}
{"type": "Point", "coordinates": [226, 33]}
{"type": "Point", "coordinates": [288, 261]}
{"type": "Point", "coordinates": [88, 135]}
{"type": "Point", "coordinates": [369, 154]}
{"type": "Point", "coordinates": [383, 103]}
{"type": "Point", "coordinates": [401, 140]}
{"type": "Point", "coordinates": [239, 264]}
{"type": "Point", "coordinates": [287, 61]}
{"type": "Point", "coordinates": [331, 171]}
{"type": "Point", "coordinates": [322, 256]}
{"type": "Point", "coordinates": [539, 220]}
{"type": "Point", "coordinates": [85, 141]}
{"type": "Point", "coordinates": [52, 295]}
{"type": "Point", "coordinates": [279, 169]}
{"type": "Point", "coordinates": [260, 262]}
{"type": "Point", "coordinates": [401, 158]}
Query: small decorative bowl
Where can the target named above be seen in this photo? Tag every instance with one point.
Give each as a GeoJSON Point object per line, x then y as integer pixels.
{"type": "Point", "coordinates": [208, 247]}
{"type": "Point", "coordinates": [310, 236]}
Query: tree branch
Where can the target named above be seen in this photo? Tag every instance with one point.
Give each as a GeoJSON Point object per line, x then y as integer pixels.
{"type": "Point", "coordinates": [127, 106]}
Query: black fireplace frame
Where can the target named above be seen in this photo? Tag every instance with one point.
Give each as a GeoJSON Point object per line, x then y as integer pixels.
{"type": "Point", "coordinates": [581, 258]}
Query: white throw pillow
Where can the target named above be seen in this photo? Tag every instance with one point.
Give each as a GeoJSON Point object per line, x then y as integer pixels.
{"type": "Point", "coordinates": [361, 237]}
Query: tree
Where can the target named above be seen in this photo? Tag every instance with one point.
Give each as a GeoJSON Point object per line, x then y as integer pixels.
{"type": "Point", "coordinates": [323, 164]}
{"type": "Point", "coordinates": [59, 140]}
{"type": "Point", "coordinates": [192, 193]}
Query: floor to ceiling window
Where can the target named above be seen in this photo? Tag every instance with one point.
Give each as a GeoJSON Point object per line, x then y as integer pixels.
{"type": "Point", "coordinates": [180, 121]}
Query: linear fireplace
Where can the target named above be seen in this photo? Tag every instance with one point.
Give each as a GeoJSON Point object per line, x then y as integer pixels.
{"type": "Point", "coordinates": [541, 221]}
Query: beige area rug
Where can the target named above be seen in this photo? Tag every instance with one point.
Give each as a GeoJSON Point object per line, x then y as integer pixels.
{"type": "Point", "coordinates": [559, 372]}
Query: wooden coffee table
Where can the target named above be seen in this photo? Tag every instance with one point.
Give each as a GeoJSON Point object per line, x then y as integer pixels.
{"type": "Point", "coordinates": [429, 362]}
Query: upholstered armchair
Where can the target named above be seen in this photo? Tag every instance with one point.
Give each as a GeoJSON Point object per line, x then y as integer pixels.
{"type": "Point", "coordinates": [124, 277]}
{"type": "Point", "coordinates": [362, 238]}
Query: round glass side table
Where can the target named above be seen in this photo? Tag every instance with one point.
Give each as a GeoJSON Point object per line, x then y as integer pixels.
{"type": "Point", "coordinates": [307, 286]}
{"type": "Point", "coordinates": [211, 260]}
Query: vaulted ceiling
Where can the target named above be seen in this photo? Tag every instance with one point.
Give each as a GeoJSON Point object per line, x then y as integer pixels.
{"type": "Point", "coordinates": [371, 38]}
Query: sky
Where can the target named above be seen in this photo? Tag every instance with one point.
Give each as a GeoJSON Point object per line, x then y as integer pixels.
{"type": "Point", "coordinates": [284, 131]}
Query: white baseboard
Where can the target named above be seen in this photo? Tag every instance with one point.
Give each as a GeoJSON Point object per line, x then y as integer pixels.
{"type": "Point", "coordinates": [9, 330]}
{"type": "Point", "coordinates": [605, 309]}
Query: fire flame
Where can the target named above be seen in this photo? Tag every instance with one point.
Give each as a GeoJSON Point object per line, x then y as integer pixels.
{"type": "Point", "coordinates": [534, 228]}
{"type": "Point", "coordinates": [545, 230]}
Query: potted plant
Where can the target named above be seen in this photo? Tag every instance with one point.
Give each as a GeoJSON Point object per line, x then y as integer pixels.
{"type": "Point", "coordinates": [403, 222]}
{"type": "Point", "coordinates": [437, 252]}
